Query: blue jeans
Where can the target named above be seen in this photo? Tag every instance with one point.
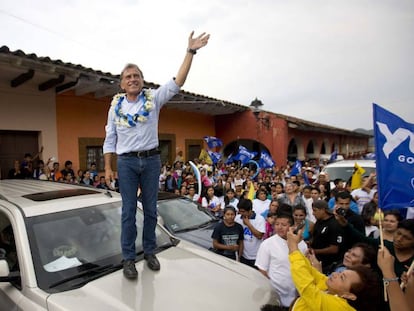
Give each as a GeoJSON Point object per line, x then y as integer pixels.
{"type": "Point", "coordinates": [134, 172]}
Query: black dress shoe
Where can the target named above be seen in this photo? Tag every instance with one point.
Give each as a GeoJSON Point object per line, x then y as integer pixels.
{"type": "Point", "coordinates": [129, 269]}
{"type": "Point", "coordinates": [152, 262]}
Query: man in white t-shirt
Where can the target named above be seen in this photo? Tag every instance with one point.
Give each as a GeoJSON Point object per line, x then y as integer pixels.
{"type": "Point", "coordinates": [362, 196]}
{"type": "Point", "coordinates": [273, 260]}
{"type": "Point", "coordinates": [254, 227]}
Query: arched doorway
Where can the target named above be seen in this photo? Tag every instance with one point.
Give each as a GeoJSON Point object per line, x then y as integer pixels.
{"type": "Point", "coordinates": [292, 150]}
{"type": "Point", "coordinates": [323, 149]}
{"type": "Point", "coordinates": [310, 150]}
{"type": "Point", "coordinates": [250, 144]}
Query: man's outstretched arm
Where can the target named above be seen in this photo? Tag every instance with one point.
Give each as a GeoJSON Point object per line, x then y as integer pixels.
{"type": "Point", "coordinates": [193, 45]}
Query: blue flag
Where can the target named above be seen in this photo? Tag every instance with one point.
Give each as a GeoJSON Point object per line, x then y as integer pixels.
{"type": "Point", "coordinates": [215, 156]}
{"type": "Point", "coordinates": [306, 179]}
{"type": "Point", "coordinates": [213, 142]}
{"type": "Point", "coordinates": [394, 150]}
{"type": "Point", "coordinates": [296, 169]}
{"type": "Point", "coordinates": [334, 156]}
{"type": "Point", "coordinates": [244, 155]}
{"type": "Point", "coordinates": [266, 160]}
{"type": "Point", "coordinates": [230, 159]}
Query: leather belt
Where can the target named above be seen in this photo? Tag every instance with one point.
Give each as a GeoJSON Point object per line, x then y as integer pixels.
{"type": "Point", "coordinates": [142, 154]}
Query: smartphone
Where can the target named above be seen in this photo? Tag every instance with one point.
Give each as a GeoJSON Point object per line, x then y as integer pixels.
{"type": "Point", "coordinates": [299, 227]}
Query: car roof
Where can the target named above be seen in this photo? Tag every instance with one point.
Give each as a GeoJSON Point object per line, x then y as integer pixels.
{"type": "Point", "coordinates": [35, 197]}
{"type": "Point", "coordinates": [346, 163]}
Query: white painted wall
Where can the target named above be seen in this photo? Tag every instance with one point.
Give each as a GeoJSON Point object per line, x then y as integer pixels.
{"type": "Point", "coordinates": [27, 109]}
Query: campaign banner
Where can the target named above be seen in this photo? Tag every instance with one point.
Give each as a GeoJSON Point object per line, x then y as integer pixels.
{"type": "Point", "coordinates": [244, 155]}
{"type": "Point", "coordinates": [296, 169]}
{"type": "Point", "coordinates": [213, 142]}
{"type": "Point", "coordinates": [266, 160]}
{"type": "Point", "coordinates": [394, 150]}
{"type": "Point", "coordinates": [215, 156]}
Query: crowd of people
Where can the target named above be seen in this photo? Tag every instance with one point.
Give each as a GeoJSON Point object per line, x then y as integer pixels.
{"type": "Point", "coordinates": [317, 242]}
{"type": "Point", "coordinates": [320, 243]}
{"type": "Point", "coordinates": [35, 168]}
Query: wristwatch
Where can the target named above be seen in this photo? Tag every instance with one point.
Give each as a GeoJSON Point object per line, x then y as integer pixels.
{"type": "Point", "coordinates": [192, 51]}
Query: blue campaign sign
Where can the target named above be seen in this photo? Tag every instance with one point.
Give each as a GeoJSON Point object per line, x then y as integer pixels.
{"type": "Point", "coordinates": [266, 160]}
{"type": "Point", "coordinates": [394, 149]}
{"type": "Point", "coordinates": [296, 169]}
{"type": "Point", "coordinates": [213, 142]}
{"type": "Point", "coordinates": [244, 155]}
{"type": "Point", "coordinates": [215, 156]}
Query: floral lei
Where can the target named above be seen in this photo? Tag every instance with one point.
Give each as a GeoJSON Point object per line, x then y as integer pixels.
{"type": "Point", "coordinates": [129, 120]}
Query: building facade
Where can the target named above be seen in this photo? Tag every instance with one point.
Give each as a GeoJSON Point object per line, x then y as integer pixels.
{"type": "Point", "coordinates": [63, 107]}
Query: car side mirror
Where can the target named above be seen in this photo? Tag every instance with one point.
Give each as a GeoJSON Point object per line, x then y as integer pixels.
{"type": "Point", "coordinates": [6, 275]}
{"type": "Point", "coordinates": [4, 268]}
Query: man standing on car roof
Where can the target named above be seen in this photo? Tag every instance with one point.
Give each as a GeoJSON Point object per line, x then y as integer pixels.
{"type": "Point", "coordinates": [132, 133]}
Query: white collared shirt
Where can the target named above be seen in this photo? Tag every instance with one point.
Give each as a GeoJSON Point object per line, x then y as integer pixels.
{"type": "Point", "coordinates": [144, 136]}
{"type": "Point", "coordinates": [273, 257]}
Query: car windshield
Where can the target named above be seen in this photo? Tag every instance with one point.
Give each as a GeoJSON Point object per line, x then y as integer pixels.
{"type": "Point", "coordinates": [181, 214]}
{"type": "Point", "coordinates": [345, 172]}
{"type": "Point", "coordinates": [67, 244]}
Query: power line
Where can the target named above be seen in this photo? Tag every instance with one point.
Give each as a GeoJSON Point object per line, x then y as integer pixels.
{"type": "Point", "coordinates": [58, 34]}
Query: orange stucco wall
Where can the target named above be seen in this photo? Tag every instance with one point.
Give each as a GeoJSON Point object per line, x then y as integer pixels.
{"type": "Point", "coordinates": [185, 125]}
{"type": "Point", "coordinates": [78, 117]}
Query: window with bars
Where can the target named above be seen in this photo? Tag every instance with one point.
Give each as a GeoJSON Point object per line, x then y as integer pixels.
{"type": "Point", "coordinates": [94, 154]}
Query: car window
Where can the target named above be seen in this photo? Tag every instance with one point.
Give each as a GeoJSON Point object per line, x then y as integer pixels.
{"type": "Point", "coordinates": [63, 242]}
{"type": "Point", "coordinates": [181, 214]}
{"type": "Point", "coordinates": [8, 249]}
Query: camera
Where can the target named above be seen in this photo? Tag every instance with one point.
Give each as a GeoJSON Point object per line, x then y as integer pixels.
{"type": "Point", "coordinates": [341, 211]}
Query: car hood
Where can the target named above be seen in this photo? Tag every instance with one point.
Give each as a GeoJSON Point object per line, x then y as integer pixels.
{"type": "Point", "coordinates": [191, 278]}
{"type": "Point", "coordinates": [201, 237]}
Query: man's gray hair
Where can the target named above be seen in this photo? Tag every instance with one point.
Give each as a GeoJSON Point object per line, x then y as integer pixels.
{"type": "Point", "coordinates": [130, 66]}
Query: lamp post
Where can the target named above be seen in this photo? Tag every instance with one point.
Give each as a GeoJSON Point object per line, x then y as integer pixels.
{"type": "Point", "coordinates": [256, 107]}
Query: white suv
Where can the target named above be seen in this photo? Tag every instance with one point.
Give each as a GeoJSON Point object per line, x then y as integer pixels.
{"type": "Point", "coordinates": [344, 169]}
{"type": "Point", "coordinates": [60, 250]}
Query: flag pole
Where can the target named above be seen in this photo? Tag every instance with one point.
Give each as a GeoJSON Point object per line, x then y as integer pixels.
{"type": "Point", "coordinates": [382, 245]}
{"type": "Point", "coordinates": [402, 285]}
{"type": "Point", "coordinates": [380, 229]}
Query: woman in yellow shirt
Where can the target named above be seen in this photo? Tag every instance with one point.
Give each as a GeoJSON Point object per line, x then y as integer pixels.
{"type": "Point", "coordinates": [353, 289]}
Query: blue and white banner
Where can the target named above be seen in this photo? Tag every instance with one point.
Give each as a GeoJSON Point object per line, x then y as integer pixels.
{"type": "Point", "coordinates": [296, 169]}
{"type": "Point", "coordinates": [230, 159]}
{"type": "Point", "coordinates": [334, 156]}
{"type": "Point", "coordinates": [306, 179]}
{"type": "Point", "coordinates": [244, 155]}
{"type": "Point", "coordinates": [215, 156]}
{"type": "Point", "coordinates": [266, 160]}
{"type": "Point", "coordinates": [394, 150]}
{"type": "Point", "coordinates": [213, 142]}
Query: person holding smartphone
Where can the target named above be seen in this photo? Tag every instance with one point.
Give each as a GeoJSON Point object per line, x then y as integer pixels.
{"type": "Point", "coordinates": [273, 259]}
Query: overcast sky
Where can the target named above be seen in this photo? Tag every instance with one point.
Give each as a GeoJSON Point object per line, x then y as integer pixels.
{"type": "Point", "coordinates": [322, 61]}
